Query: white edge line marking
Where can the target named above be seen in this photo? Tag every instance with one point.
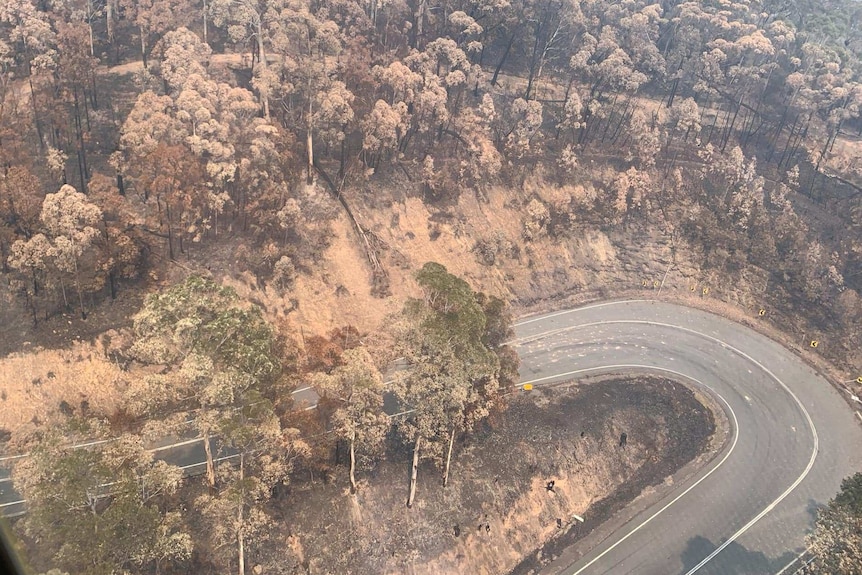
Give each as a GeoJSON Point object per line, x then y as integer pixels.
{"type": "Point", "coordinates": [162, 448]}
{"type": "Point", "coordinates": [88, 444]}
{"type": "Point", "coordinates": [795, 559]}
{"type": "Point", "coordinates": [692, 486]}
{"type": "Point", "coordinates": [156, 449]}
{"type": "Point", "coordinates": [178, 444]}
{"type": "Point", "coordinates": [766, 370]}
{"type": "Point", "coordinates": [577, 309]}
{"type": "Point", "coordinates": [217, 460]}
{"type": "Point", "coordinates": [738, 351]}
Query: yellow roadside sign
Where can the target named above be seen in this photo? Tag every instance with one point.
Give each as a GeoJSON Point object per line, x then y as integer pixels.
{"type": "Point", "coordinates": [705, 290]}
{"type": "Point", "coordinates": [859, 379]}
{"type": "Point", "coordinates": [814, 343]}
{"type": "Point", "coordinates": [762, 312]}
{"type": "Point", "coordinates": [528, 386]}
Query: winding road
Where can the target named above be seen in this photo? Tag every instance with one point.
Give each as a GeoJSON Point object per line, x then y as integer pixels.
{"type": "Point", "coordinates": [792, 439]}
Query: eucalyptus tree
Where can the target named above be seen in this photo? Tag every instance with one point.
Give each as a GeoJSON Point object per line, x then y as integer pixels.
{"type": "Point", "coordinates": [221, 354]}
{"type": "Point", "coordinates": [100, 509]}
{"type": "Point", "coordinates": [453, 379]}
{"type": "Point", "coordinates": [68, 231]}
{"type": "Point", "coordinates": [354, 393]}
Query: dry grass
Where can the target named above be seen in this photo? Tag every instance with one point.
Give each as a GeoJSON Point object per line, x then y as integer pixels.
{"type": "Point", "coordinates": [32, 385]}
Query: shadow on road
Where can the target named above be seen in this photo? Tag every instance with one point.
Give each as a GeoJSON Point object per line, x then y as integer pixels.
{"type": "Point", "coordinates": [733, 559]}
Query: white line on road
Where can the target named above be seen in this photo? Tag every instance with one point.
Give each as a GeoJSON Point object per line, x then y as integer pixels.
{"type": "Point", "coordinates": [178, 444]}
{"type": "Point", "coordinates": [88, 444]}
{"type": "Point", "coordinates": [577, 309]}
{"type": "Point", "coordinates": [766, 370]}
{"type": "Point", "coordinates": [799, 479]}
{"type": "Point", "coordinates": [695, 484]}
{"type": "Point", "coordinates": [795, 559]}
{"type": "Point", "coordinates": [216, 460]}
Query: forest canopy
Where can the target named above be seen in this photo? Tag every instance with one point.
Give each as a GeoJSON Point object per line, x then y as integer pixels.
{"type": "Point", "coordinates": [252, 117]}
{"type": "Point", "coordinates": [142, 137]}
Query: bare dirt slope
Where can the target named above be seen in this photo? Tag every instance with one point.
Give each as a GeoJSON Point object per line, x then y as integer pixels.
{"type": "Point", "coordinates": [498, 508]}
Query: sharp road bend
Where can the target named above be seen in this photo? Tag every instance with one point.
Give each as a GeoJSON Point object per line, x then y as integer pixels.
{"type": "Point", "coordinates": [792, 439]}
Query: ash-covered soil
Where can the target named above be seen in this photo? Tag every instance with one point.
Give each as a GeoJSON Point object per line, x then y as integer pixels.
{"type": "Point", "coordinates": [500, 506]}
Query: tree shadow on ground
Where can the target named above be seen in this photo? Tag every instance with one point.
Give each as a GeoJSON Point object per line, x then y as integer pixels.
{"type": "Point", "coordinates": [813, 510]}
{"type": "Point", "coordinates": [733, 559]}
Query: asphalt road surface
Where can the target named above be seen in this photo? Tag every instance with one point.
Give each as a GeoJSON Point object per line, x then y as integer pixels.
{"type": "Point", "coordinates": [793, 439]}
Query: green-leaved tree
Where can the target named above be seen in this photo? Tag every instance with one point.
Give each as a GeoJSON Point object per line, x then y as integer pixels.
{"type": "Point", "coordinates": [99, 509]}
{"type": "Point", "coordinates": [355, 391]}
{"type": "Point", "coordinates": [453, 379]}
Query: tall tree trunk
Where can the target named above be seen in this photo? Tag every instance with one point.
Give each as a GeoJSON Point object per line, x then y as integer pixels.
{"type": "Point", "coordinates": [790, 137]}
{"type": "Point", "coordinates": [112, 280]}
{"type": "Point", "coordinates": [90, 26]}
{"type": "Point", "coordinates": [205, 21]}
{"type": "Point", "coordinates": [109, 20]}
{"type": "Point", "coordinates": [505, 56]}
{"type": "Point", "coordinates": [533, 60]}
{"type": "Point", "coordinates": [35, 110]}
{"type": "Point", "coordinates": [413, 472]}
{"type": "Point", "coordinates": [82, 151]}
{"type": "Point", "coordinates": [144, 47]}
{"type": "Point", "coordinates": [264, 94]}
{"type": "Point", "coordinates": [343, 160]}
{"type": "Point", "coordinates": [78, 289]}
{"type": "Point", "coordinates": [712, 128]}
{"type": "Point", "coordinates": [309, 144]}
{"type": "Point", "coordinates": [448, 458]}
{"type": "Point", "coordinates": [419, 15]}
{"type": "Point", "coordinates": [210, 465]}
{"type": "Point", "coordinates": [94, 97]}
{"type": "Point", "coordinates": [729, 129]}
{"type": "Point", "coordinates": [32, 301]}
{"type": "Point", "coordinates": [170, 231]}
{"type": "Point", "coordinates": [673, 90]}
{"type": "Point", "coordinates": [353, 461]}
{"type": "Point", "coordinates": [63, 289]}
{"type": "Point", "coordinates": [240, 539]}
